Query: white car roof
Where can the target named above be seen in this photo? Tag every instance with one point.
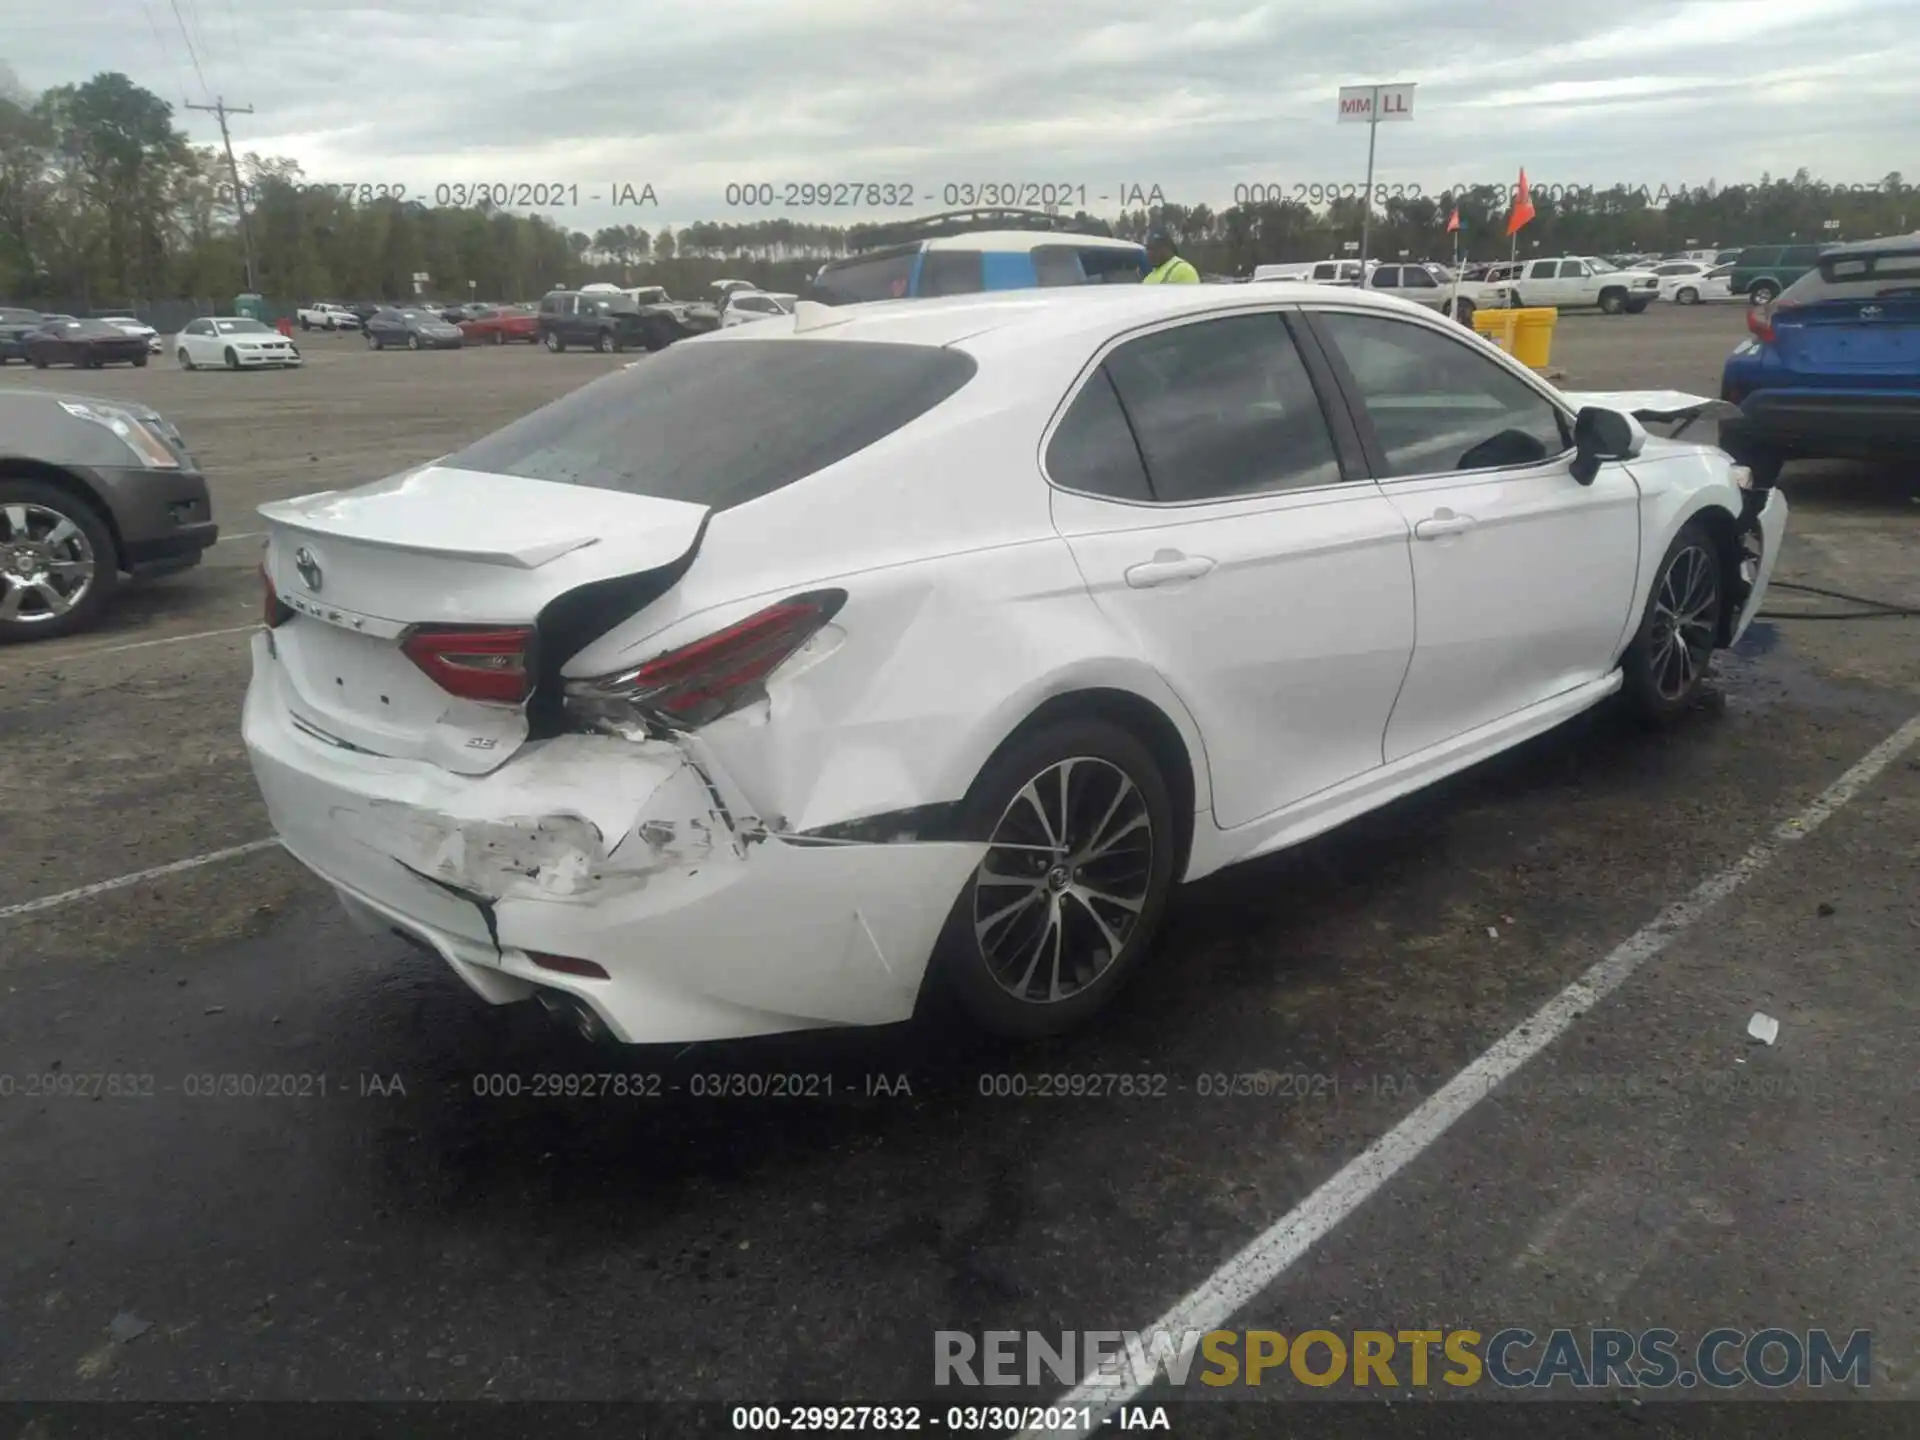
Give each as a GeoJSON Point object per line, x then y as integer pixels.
{"type": "Point", "coordinates": [1041, 316]}
{"type": "Point", "coordinates": [1018, 242]}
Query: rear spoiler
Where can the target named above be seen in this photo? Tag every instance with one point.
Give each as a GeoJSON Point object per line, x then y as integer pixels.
{"type": "Point", "coordinates": [1656, 406]}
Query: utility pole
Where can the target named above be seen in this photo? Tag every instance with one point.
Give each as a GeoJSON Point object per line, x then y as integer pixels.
{"type": "Point", "coordinates": [222, 110]}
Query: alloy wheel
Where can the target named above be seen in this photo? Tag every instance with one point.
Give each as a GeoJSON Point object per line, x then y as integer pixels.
{"type": "Point", "coordinates": [46, 563]}
{"type": "Point", "coordinates": [1067, 870]}
{"type": "Point", "coordinates": [1686, 611]}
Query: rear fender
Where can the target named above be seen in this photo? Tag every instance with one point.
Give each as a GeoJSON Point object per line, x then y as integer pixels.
{"type": "Point", "coordinates": [897, 705]}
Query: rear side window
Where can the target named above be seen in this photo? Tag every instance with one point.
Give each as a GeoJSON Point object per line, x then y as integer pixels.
{"type": "Point", "coordinates": [1760, 255]}
{"type": "Point", "coordinates": [1801, 255]}
{"type": "Point", "coordinates": [1224, 409]}
{"type": "Point", "coordinates": [672, 428]}
{"type": "Point", "coordinates": [875, 277]}
{"type": "Point", "coordinates": [950, 272]}
{"type": "Point", "coordinates": [1093, 451]}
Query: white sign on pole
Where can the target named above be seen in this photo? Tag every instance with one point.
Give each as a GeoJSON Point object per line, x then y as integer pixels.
{"type": "Point", "coordinates": [1350, 246]}
{"type": "Point", "coordinates": [1370, 104]}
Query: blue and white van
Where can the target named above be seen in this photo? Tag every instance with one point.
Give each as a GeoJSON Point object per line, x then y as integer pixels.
{"type": "Point", "coordinates": [967, 264]}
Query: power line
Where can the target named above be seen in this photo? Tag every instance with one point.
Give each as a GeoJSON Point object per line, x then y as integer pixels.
{"type": "Point", "coordinates": [221, 109]}
{"type": "Point", "coordinates": [192, 54]}
{"type": "Point", "coordinates": [166, 54]}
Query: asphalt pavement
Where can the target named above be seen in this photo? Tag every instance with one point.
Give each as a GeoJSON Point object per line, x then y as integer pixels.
{"type": "Point", "coordinates": [289, 1162]}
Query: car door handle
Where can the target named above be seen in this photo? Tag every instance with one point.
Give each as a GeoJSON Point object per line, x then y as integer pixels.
{"type": "Point", "coordinates": [1443, 523]}
{"type": "Point", "coordinates": [1166, 567]}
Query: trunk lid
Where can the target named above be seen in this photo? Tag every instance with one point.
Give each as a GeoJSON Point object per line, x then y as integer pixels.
{"type": "Point", "coordinates": [363, 569]}
{"type": "Point", "coordinates": [1874, 339]}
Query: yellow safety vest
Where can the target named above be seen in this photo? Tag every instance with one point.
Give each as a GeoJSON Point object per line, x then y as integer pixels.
{"type": "Point", "coordinates": [1175, 272]}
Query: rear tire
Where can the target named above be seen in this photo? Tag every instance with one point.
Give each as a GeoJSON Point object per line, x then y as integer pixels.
{"type": "Point", "coordinates": [413, 342]}
{"type": "Point", "coordinates": [603, 342]}
{"type": "Point", "coordinates": [499, 337]}
{"type": "Point", "coordinates": [140, 361]}
{"type": "Point", "coordinates": [1463, 312]}
{"type": "Point", "coordinates": [1032, 923]}
{"type": "Point", "coordinates": [305, 324]}
{"type": "Point", "coordinates": [1667, 661]}
{"type": "Point", "coordinates": [1764, 292]}
{"type": "Point", "coordinates": [554, 343]}
{"type": "Point", "coordinates": [98, 542]}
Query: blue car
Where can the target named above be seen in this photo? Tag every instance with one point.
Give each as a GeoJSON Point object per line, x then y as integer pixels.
{"type": "Point", "coordinates": [955, 260]}
{"type": "Point", "coordinates": [1832, 368]}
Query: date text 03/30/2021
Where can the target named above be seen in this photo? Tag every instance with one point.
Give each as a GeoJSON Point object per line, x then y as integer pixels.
{"type": "Point", "coordinates": [468, 194]}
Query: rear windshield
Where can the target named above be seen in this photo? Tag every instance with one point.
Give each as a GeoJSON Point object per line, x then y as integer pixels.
{"type": "Point", "coordinates": [723, 423]}
{"type": "Point", "coordinates": [1857, 277]}
{"type": "Point", "coordinates": [876, 277]}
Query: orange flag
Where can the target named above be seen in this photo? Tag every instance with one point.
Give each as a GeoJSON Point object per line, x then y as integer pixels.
{"type": "Point", "coordinates": [1522, 206]}
{"type": "Point", "coordinates": [1453, 221]}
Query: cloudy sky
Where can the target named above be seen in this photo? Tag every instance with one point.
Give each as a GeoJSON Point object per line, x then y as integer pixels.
{"type": "Point", "coordinates": [1196, 97]}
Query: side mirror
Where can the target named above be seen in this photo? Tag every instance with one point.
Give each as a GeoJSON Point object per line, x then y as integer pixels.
{"type": "Point", "coordinates": [1600, 435]}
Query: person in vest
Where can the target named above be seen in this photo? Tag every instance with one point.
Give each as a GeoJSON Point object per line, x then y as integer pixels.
{"type": "Point", "coordinates": [1168, 267]}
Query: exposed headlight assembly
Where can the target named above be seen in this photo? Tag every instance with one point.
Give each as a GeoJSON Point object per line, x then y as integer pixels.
{"type": "Point", "coordinates": [153, 451]}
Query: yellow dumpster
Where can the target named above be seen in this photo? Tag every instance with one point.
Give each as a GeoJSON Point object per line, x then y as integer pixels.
{"type": "Point", "coordinates": [1527, 335]}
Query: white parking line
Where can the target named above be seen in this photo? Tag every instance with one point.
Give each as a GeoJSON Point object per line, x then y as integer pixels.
{"type": "Point", "coordinates": [163, 640]}
{"type": "Point", "coordinates": [1222, 1294]}
{"type": "Point", "coordinates": [243, 535]}
{"type": "Point", "coordinates": [67, 897]}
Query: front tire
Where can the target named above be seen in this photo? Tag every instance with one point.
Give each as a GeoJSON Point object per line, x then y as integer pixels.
{"type": "Point", "coordinates": [1612, 302]}
{"type": "Point", "coordinates": [75, 560]}
{"type": "Point", "coordinates": [186, 360]}
{"type": "Point", "coordinates": [1666, 664]}
{"type": "Point", "coordinates": [140, 362]}
{"type": "Point", "coordinates": [1688, 296]}
{"type": "Point", "coordinates": [1079, 824]}
{"type": "Point", "coordinates": [233, 358]}
{"type": "Point", "coordinates": [305, 324]}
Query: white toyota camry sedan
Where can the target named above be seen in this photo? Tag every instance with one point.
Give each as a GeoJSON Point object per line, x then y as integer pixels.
{"type": "Point", "coordinates": [1002, 616]}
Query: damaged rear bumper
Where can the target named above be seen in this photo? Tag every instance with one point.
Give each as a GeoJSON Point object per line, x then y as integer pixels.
{"type": "Point", "coordinates": [633, 856]}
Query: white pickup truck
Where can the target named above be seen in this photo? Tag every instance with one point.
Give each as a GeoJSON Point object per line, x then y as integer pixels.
{"type": "Point", "coordinates": [325, 315]}
{"type": "Point", "coordinates": [1570, 282]}
{"type": "Point", "coordinates": [1433, 286]}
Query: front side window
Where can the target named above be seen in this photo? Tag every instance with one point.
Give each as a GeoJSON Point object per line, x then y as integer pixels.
{"type": "Point", "coordinates": [1438, 404]}
{"type": "Point", "coordinates": [1387, 277]}
{"type": "Point", "coordinates": [1417, 277]}
{"type": "Point", "coordinates": [1224, 409]}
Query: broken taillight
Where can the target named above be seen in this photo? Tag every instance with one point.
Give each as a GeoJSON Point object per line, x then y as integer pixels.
{"type": "Point", "coordinates": [275, 612]}
{"type": "Point", "coordinates": [490, 665]}
{"type": "Point", "coordinates": [711, 677]}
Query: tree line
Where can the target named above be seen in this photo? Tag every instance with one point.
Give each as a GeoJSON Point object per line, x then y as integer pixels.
{"type": "Point", "coordinates": [103, 201]}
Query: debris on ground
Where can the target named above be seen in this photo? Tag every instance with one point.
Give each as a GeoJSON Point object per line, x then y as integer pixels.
{"type": "Point", "coordinates": [128, 1326]}
{"type": "Point", "coordinates": [1763, 1028]}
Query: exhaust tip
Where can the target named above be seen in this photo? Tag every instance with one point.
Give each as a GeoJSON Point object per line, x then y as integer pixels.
{"type": "Point", "coordinates": [574, 1012]}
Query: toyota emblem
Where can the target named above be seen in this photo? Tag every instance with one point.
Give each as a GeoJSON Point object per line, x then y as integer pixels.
{"type": "Point", "coordinates": [308, 567]}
